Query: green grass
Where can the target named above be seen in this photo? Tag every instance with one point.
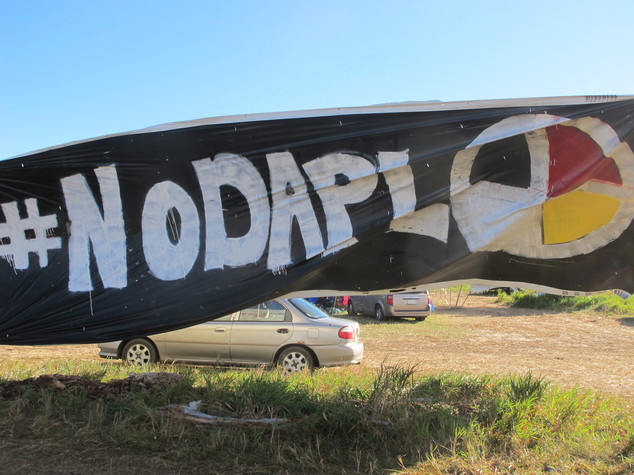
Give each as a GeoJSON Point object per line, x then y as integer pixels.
{"type": "Point", "coordinates": [605, 303]}
{"type": "Point", "coordinates": [338, 421]}
{"type": "Point", "coordinates": [16, 370]}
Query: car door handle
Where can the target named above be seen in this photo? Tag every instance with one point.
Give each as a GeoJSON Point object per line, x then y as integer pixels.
{"type": "Point", "coordinates": [282, 330]}
{"type": "Point", "coordinates": [220, 330]}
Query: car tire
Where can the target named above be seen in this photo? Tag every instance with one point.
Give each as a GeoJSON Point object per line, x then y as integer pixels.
{"type": "Point", "coordinates": [420, 319]}
{"type": "Point", "coordinates": [294, 359]}
{"type": "Point", "coordinates": [140, 352]}
{"type": "Point", "coordinates": [351, 311]}
{"type": "Point", "coordinates": [378, 313]}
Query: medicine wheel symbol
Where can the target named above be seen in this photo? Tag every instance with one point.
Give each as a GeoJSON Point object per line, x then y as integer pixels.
{"type": "Point", "coordinates": [543, 186]}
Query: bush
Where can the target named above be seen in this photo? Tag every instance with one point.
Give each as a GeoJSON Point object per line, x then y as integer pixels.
{"type": "Point", "coordinates": [607, 303]}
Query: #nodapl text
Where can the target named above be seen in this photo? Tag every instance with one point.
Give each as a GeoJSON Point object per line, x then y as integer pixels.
{"type": "Point", "coordinates": [171, 250]}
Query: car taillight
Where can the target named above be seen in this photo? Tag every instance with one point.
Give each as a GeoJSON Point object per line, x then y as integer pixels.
{"type": "Point", "coordinates": [347, 333]}
{"type": "Point", "coordinates": [428, 300]}
{"type": "Point", "coordinates": [390, 299]}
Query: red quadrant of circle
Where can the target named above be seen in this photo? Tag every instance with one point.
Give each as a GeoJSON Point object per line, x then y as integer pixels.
{"type": "Point", "coordinates": [575, 159]}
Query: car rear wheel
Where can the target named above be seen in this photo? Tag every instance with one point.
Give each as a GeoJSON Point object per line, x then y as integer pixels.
{"type": "Point", "coordinates": [294, 359]}
{"type": "Point", "coordinates": [139, 352]}
{"type": "Point", "coordinates": [420, 319]}
{"type": "Point", "coordinates": [378, 313]}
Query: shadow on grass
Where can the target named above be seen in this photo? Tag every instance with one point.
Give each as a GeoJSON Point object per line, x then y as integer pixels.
{"type": "Point", "coordinates": [458, 312]}
{"type": "Point", "coordinates": [627, 321]}
{"type": "Point", "coordinates": [497, 311]}
{"type": "Point", "coordinates": [365, 320]}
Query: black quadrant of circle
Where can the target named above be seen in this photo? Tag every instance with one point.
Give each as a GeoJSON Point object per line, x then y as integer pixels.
{"type": "Point", "coordinates": [507, 162]}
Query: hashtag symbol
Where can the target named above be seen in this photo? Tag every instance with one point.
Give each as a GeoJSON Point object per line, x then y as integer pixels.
{"type": "Point", "coordinates": [19, 236]}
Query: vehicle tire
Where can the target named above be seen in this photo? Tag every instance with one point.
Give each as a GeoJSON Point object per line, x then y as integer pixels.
{"type": "Point", "coordinates": [378, 313]}
{"type": "Point", "coordinates": [351, 311]}
{"type": "Point", "coordinates": [420, 319]}
{"type": "Point", "coordinates": [294, 359]}
{"type": "Point", "coordinates": [139, 351]}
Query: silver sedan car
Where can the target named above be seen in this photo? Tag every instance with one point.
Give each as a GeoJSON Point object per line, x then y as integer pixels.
{"type": "Point", "coordinates": [290, 333]}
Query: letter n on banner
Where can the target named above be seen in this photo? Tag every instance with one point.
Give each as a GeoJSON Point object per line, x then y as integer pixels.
{"type": "Point", "coordinates": [88, 227]}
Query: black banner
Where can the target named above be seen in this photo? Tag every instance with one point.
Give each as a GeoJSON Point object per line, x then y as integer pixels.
{"type": "Point", "coordinates": [153, 230]}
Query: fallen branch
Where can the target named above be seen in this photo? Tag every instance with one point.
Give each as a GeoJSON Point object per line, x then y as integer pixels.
{"type": "Point", "coordinates": [191, 413]}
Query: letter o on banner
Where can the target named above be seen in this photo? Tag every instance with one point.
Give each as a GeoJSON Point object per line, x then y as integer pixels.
{"type": "Point", "coordinates": [170, 249]}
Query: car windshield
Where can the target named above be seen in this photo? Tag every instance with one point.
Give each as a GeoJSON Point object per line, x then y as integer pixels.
{"type": "Point", "coordinates": [308, 308]}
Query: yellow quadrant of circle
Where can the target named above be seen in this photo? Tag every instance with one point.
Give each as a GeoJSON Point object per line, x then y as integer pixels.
{"type": "Point", "coordinates": [576, 214]}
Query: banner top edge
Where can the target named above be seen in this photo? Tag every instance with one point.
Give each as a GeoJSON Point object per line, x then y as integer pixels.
{"type": "Point", "coordinates": [387, 108]}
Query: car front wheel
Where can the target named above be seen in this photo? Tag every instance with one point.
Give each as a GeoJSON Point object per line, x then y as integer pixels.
{"type": "Point", "coordinates": [139, 352]}
{"type": "Point", "coordinates": [378, 313]}
{"type": "Point", "coordinates": [294, 359]}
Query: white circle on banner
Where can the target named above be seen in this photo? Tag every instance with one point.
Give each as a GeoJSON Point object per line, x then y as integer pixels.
{"type": "Point", "coordinates": [498, 217]}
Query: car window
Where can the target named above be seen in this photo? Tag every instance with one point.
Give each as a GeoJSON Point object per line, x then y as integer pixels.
{"type": "Point", "coordinates": [309, 309]}
{"type": "Point", "coordinates": [226, 318]}
{"type": "Point", "coordinates": [270, 311]}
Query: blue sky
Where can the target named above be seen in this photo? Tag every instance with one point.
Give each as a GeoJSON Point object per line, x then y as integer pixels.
{"type": "Point", "coordinates": [73, 70]}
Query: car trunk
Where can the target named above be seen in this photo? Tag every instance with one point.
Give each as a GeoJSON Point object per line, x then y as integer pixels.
{"type": "Point", "coordinates": [414, 302]}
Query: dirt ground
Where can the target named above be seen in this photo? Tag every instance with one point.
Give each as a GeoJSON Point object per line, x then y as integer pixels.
{"type": "Point", "coordinates": [568, 349]}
